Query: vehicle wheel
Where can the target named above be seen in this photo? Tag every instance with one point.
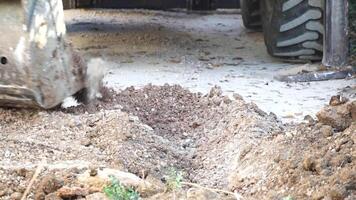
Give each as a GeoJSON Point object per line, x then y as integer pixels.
{"type": "Point", "coordinates": [69, 4]}
{"type": "Point", "coordinates": [251, 16]}
{"type": "Point", "coordinates": [293, 29]}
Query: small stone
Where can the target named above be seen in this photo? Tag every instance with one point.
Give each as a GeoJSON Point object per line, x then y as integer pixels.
{"type": "Point", "coordinates": [97, 196]}
{"type": "Point", "coordinates": [338, 117]}
{"type": "Point", "coordinates": [86, 142]}
{"type": "Point", "coordinates": [326, 172]}
{"type": "Point", "coordinates": [215, 91]}
{"type": "Point", "coordinates": [93, 172]}
{"type": "Point", "coordinates": [201, 194]}
{"type": "Point", "coordinates": [133, 119]}
{"type": "Point", "coordinates": [237, 96]}
{"type": "Point", "coordinates": [16, 196]}
{"type": "Point", "coordinates": [227, 100]}
{"type": "Point", "coordinates": [326, 130]}
{"type": "Point", "coordinates": [352, 108]}
{"type": "Point", "coordinates": [318, 195]}
{"type": "Point", "coordinates": [70, 193]}
{"type": "Point", "coordinates": [335, 195]}
{"type": "Point", "coordinates": [272, 116]}
{"type": "Point", "coordinates": [309, 119]}
{"type": "Point", "coordinates": [341, 160]}
{"type": "Point", "coordinates": [3, 193]}
{"type": "Point", "coordinates": [195, 125]}
{"type": "Point", "coordinates": [21, 172]}
{"type": "Point", "coordinates": [52, 196]}
{"type": "Point", "coordinates": [337, 100]}
{"type": "Point", "coordinates": [216, 100]}
{"type": "Point", "coordinates": [309, 164]}
{"type": "Point", "coordinates": [321, 166]}
{"type": "Point", "coordinates": [48, 185]}
{"type": "Point", "coordinates": [187, 143]}
{"type": "Point", "coordinates": [277, 159]}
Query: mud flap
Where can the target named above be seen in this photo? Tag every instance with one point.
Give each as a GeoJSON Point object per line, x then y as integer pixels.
{"type": "Point", "coordinates": [38, 68]}
{"type": "Point", "coordinates": [336, 49]}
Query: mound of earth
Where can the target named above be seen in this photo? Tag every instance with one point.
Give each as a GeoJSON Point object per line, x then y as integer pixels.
{"type": "Point", "coordinates": [215, 141]}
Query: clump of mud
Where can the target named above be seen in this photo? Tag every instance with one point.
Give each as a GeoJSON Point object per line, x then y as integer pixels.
{"type": "Point", "coordinates": [216, 141]}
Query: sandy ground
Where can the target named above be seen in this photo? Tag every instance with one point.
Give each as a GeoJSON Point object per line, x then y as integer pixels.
{"type": "Point", "coordinates": [197, 52]}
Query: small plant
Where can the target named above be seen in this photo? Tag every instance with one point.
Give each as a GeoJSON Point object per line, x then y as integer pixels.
{"type": "Point", "coordinates": [116, 191]}
{"type": "Point", "coordinates": [174, 180]}
{"type": "Point", "coordinates": [288, 198]}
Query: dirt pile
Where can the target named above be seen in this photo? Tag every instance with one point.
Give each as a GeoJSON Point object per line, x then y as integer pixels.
{"type": "Point", "coordinates": [308, 161]}
{"type": "Point", "coordinates": [215, 141]}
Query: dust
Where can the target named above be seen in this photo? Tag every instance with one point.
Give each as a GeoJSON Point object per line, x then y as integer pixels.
{"type": "Point", "coordinates": [95, 74]}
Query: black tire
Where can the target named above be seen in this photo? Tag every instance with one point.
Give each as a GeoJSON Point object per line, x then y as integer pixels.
{"type": "Point", "coordinates": [293, 29]}
{"type": "Point", "coordinates": [251, 16]}
{"type": "Point", "coordinates": [69, 4]}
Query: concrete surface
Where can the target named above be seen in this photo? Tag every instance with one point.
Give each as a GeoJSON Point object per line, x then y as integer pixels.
{"type": "Point", "coordinates": [196, 51]}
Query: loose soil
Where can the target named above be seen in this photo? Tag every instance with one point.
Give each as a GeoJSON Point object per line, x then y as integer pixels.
{"type": "Point", "coordinates": [215, 141]}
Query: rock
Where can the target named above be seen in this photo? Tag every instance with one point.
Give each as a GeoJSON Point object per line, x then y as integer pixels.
{"type": "Point", "coordinates": [103, 177]}
{"type": "Point", "coordinates": [86, 142]}
{"type": "Point", "coordinates": [216, 100]}
{"type": "Point", "coordinates": [200, 194]}
{"type": "Point", "coordinates": [72, 193]}
{"type": "Point", "coordinates": [21, 172]}
{"type": "Point", "coordinates": [335, 194]}
{"type": "Point", "coordinates": [257, 109]}
{"type": "Point", "coordinates": [318, 195]}
{"type": "Point", "coordinates": [309, 164]}
{"type": "Point", "coordinates": [321, 166]}
{"type": "Point", "coordinates": [93, 171]}
{"type": "Point", "coordinates": [215, 91]}
{"type": "Point", "coordinates": [309, 119]}
{"type": "Point", "coordinates": [194, 125]}
{"type": "Point", "coordinates": [227, 100]}
{"type": "Point", "coordinates": [338, 117]}
{"type": "Point", "coordinates": [238, 97]}
{"type": "Point", "coordinates": [352, 108]}
{"type": "Point", "coordinates": [340, 160]}
{"type": "Point", "coordinates": [97, 196]}
{"type": "Point", "coordinates": [169, 196]}
{"type": "Point", "coordinates": [337, 100]}
{"type": "Point", "coordinates": [16, 196]}
{"type": "Point", "coordinates": [48, 185]}
{"type": "Point", "coordinates": [326, 130]}
{"type": "Point", "coordinates": [3, 193]}
{"type": "Point", "coordinates": [52, 196]}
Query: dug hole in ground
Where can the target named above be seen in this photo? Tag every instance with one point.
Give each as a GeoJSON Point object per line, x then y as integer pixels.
{"type": "Point", "coordinates": [171, 141]}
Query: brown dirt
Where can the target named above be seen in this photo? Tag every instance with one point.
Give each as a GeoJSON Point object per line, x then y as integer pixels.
{"type": "Point", "coordinates": [216, 141]}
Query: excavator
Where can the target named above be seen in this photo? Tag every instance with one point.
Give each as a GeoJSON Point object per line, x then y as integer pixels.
{"type": "Point", "coordinates": [39, 68]}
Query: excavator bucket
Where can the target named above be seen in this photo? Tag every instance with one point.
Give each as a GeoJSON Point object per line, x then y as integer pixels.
{"type": "Point", "coordinates": [38, 68]}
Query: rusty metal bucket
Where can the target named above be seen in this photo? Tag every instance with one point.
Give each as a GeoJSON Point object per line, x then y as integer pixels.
{"type": "Point", "coordinates": [37, 67]}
